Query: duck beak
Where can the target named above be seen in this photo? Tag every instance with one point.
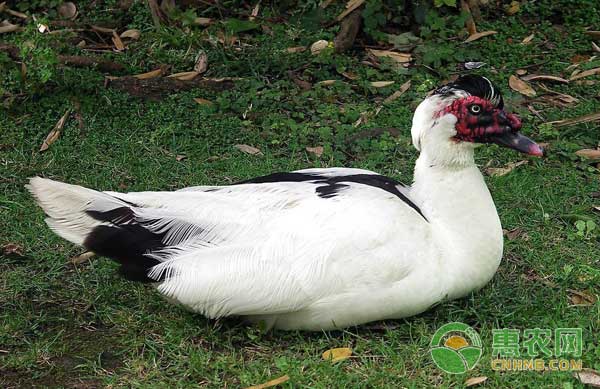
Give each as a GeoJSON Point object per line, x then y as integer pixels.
{"type": "Point", "coordinates": [506, 133]}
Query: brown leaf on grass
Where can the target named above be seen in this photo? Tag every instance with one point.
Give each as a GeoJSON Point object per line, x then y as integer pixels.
{"type": "Point", "coordinates": [151, 74]}
{"type": "Point", "coordinates": [79, 259]}
{"type": "Point", "coordinates": [8, 27]}
{"type": "Point", "coordinates": [12, 249]}
{"type": "Point", "coordinates": [202, 101]}
{"type": "Point", "coordinates": [515, 233]}
{"type": "Point", "coordinates": [201, 62]}
{"type": "Point", "coordinates": [318, 46]}
{"type": "Point", "coordinates": [184, 76]}
{"type": "Point", "coordinates": [397, 57]}
{"type": "Point", "coordinates": [103, 30]}
{"type": "Point", "coordinates": [578, 120]}
{"type": "Point", "coordinates": [527, 40]}
{"type": "Point", "coordinates": [203, 22]}
{"type": "Point", "coordinates": [350, 6]}
{"type": "Point", "coordinates": [469, 22]}
{"type": "Point", "coordinates": [254, 12]}
{"type": "Point", "coordinates": [595, 47]}
{"type": "Point", "coordinates": [337, 354]}
{"type": "Point", "coordinates": [318, 151]}
{"type": "Point", "coordinates": [296, 49]}
{"type": "Point", "coordinates": [327, 82]}
{"type": "Point", "coordinates": [596, 208]}
{"type": "Point", "coordinates": [131, 34]}
{"type": "Point", "coordinates": [381, 84]}
{"type": "Point", "coordinates": [581, 298]}
{"type": "Point", "coordinates": [249, 149]}
{"type": "Point", "coordinates": [475, 381]}
{"type": "Point", "coordinates": [403, 88]}
{"type": "Point", "coordinates": [585, 73]}
{"type": "Point", "coordinates": [588, 377]}
{"type": "Point", "coordinates": [521, 72]}
{"type": "Point", "coordinates": [180, 157]}
{"type": "Point", "coordinates": [271, 383]}
{"type": "Point", "coordinates": [593, 34]}
{"type": "Point", "coordinates": [593, 154]}
{"type": "Point", "coordinates": [536, 77]}
{"type": "Point", "coordinates": [55, 132]}
{"type": "Point", "coordinates": [521, 86]}
{"type": "Point", "coordinates": [67, 10]}
{"type": "Point", "coordinates": [513, 8]}
{"type": "Point", "coordinates": [502, 171]}
{"type": "Point", "coordinates": [18, 14]}
{"type": "Point", "coordinates": [117, 42]}
{"type": "Point", "coordinates": [480, 35]}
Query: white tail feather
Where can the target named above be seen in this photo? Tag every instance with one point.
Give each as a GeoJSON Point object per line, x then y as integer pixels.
{"type": "Point", "coordinates": [65, 205]}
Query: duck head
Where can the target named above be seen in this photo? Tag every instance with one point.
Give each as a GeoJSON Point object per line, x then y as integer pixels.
{"type": "Point", "coordinates": [462, 114]}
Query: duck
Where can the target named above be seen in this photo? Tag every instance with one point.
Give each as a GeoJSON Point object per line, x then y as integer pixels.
{"type": "Point", "coordinates": [321, 248]}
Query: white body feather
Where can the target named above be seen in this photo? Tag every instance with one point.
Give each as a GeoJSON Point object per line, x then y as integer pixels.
{"type": "Point", "coordinates": [278, 253]}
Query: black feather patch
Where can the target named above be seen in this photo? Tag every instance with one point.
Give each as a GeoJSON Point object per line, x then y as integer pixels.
{"type": "Point", "coordinates": [126, 242]}
{"type": "Point", "coordinates": [333, 185]}
{"type": "Point", "coordinates": [475, 86]}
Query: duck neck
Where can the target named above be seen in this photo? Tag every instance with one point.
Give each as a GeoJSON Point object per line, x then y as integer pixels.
{"type": "Point", "coordinates": [465, 224]}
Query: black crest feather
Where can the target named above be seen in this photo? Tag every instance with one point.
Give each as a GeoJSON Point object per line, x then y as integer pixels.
{"type": "Point", "coordinates": [475, 86]}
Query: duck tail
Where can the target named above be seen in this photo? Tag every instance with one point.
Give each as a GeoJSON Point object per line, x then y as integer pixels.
{"type": "Point", "coordinates": [100, 222]}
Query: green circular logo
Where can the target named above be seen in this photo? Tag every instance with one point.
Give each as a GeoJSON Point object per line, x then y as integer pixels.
{"type": "Point", "coordinates": [456, 348]}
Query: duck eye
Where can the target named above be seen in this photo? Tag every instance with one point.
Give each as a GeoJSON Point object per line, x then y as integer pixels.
{"type": "Point", "coordinates": [475, 109]}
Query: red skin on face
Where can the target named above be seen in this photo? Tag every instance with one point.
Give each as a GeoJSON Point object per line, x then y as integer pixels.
{"type": "Point", "coordinates": [470, 127]}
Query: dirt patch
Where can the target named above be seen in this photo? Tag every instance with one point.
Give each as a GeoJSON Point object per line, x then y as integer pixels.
{"type": "Point", "coordinates": [82, 346]}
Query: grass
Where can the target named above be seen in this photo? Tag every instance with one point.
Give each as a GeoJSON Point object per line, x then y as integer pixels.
{"type": "Point", "coordinates": [64, 325]}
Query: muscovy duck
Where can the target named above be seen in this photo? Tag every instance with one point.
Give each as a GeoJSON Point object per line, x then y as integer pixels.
{"type": "Point", "coordinates": [315, 249]}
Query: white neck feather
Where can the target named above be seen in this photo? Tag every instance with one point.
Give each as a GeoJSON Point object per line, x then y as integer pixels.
{"type": "Point", "coordinates": [451, 192]}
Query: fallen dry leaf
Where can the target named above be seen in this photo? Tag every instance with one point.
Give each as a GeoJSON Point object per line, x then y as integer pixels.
{"type": "Point", "coordinates": [296, 49]}
{"type": "Point", "coordinates": [521, 72]}
{"type": "Point", "coordinates": [202, 101]}
{"type": "Point", "coordinates": [521, 86]}
{"type": "Point", "coordinates": [79, 259]}
{"type": "Point", "coordinates": [337, 354]}
{"type": "Point", "coordinates": [582, 298]}
{"type": "Point", "coordinates": [184, 76]}
{"type": "Point", "coordinates": [350, 6]}
{"type": "Point", "coordinates": [318, 46]}
{"type": "Point", "coordinates": [201, 62]}
{"type": "Point", "coordinates": [595, 47]}
{"type": "Point", "coordinates": [593, 34]}
{"type": "Point", "coordinates": [180, 157]}
{"type": "Point", "coordinates": [131, 34]}
{"type": "Point", "coordinates": [397, 57]}
{"type": "Point", "coordinates": [585, 73]}
{"type": "Point", "coordinates": [8, 27]}
{"type": "Point", "coordinates": [515, 233]}
{"type": "Point", "coordinates": [597, 208]}
{"type": "Point", "coordinates": [103, 30]}
{"type": "Point", "coordinates": [381, 84]}
{"type": "Point", "coordinates": [268, 384]}
{"type": "Point", "coordinates": [480, 35]}
{"type": "Point", "coordinates": [318, 151]}
{"type": "Point", "coordinates": [249, 149]}
{"type": "Point", "coordinates": [55, 132]}
{"type": "Point", "coordinates": [588, 377]}
{"type": "Point", "coordinates": [534, 77]}
{"type": "Point", "coordinates": [502, 171]}
{"type": "Point", "coordinates": [475, 381]}
{"type": "Point", "coordinates": [12, 249]}
{"type": "Point", "coordinates": [203, 22]}
{"type": "Point", "coordinates": [527, 39]}
{"type": "Point", "coordinates": [117, 42]}
{"type": "Point", "coordinates": [589, 153]}
{"type": "Point", "coordinates": [403, 88]}
{"type": "Point", "coordinates": [513, 8]}
{"type": "Point", "coordinates": [16, 13]}
{"type": "Point", "coordinates": [327, 82]}
{"type": "Point", "coordinates": [578, 120]}
{"type": "Point", "coordinates": [151, 74]}
{"type": "Point", "coordinates": [67, 10]}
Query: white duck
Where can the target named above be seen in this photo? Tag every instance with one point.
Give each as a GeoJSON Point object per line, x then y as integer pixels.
{"type": "Point", "coordinates": [315, 249]}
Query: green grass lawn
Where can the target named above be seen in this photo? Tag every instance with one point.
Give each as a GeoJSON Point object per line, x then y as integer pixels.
{"type": "Point", "coordinates": [65, 325]}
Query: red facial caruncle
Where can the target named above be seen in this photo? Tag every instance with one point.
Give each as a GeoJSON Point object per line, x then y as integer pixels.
{"type": "Point", "coordinates": [479, 121]}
